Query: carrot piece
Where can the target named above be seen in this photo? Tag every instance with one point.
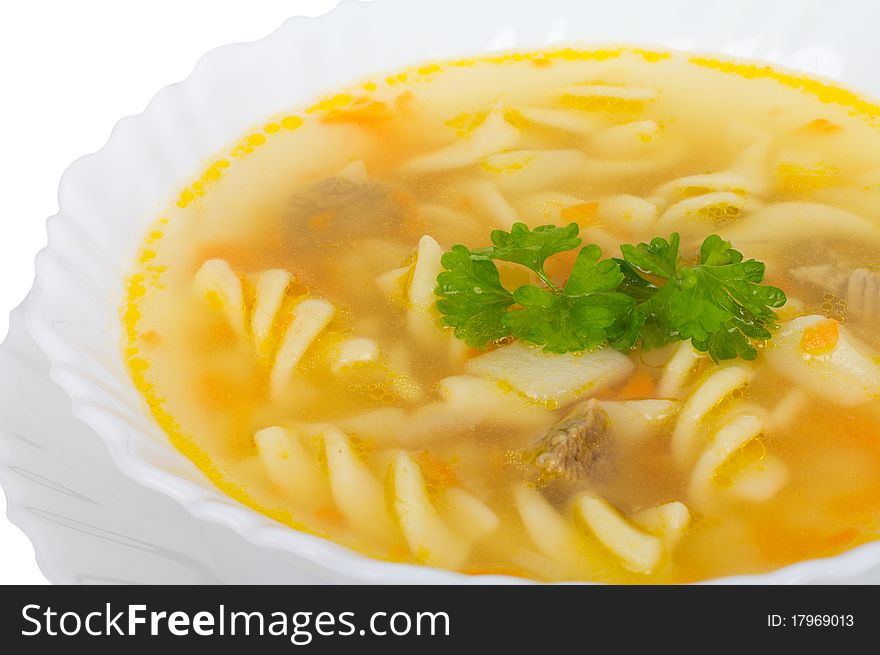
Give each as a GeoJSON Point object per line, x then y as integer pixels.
{"type": "Point", "coordinates": [470, 353]}
{"type": "Point", "coordinates": [822, 126]}
{"type": "Point", "coordinates": [843, 538]}
{"type": "Point", "coordinates": [329, 514]}
{"type": "Point", "coordinates": [217, 335]}
{"type": "Point", "coordinates": [436, 471]}
{"type": "Point", "coordinates": [638, 387]}
{"type": "Point", "coordinates": [365, 114]}
{"type": "Point", "coordinates": [151, 338]}
{"type": "Point", "coordinates": [582, 214]}
{"type": "Point", "coordinates": [512, 571]}
{"type": "Point", "coordinates": [559, 266]}
{"type": "Point", "coordinates": [821, 337]}
{"type": "Point", "coordinates": [404, 101]}
{"type": "Point", "coordinates": [322, 220]}
{"type": "Point", "coordinates": [398, 553]}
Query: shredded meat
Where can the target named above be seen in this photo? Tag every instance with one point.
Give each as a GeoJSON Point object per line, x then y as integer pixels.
{"type": "Point", "coordinates": [573, 445]}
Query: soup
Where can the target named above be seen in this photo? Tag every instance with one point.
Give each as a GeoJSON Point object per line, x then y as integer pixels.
{"type": "Point", "coordinates": [282, 320]}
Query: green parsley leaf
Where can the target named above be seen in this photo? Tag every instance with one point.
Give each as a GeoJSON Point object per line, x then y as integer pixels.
{"type": "Point", "coordinates": [650, 296]}
{"type": "Point", "coordinates": [660, 257]}
{"type": "Point", "coordinates": [589, 275]}
{"type": "Point", "coordinates": [472, 299]}
{"type": "Point", "coordinates": [580, 316]}
{"type": "Point", "coordinates": [532, 248]}
{"type": "Point", "coordinates": [633, 284]}
{"type": "Point", "coordinates": [557, 322]}
{"type": "Point", "coordinates": [719, 304]}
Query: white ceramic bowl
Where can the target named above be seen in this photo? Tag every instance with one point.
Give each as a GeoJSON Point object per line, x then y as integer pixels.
{"type": "Point", "coordinates": [107, 199]}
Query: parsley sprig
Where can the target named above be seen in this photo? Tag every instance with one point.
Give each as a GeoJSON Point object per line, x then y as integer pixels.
{"type": "Point", "coordinates": [649, 297]}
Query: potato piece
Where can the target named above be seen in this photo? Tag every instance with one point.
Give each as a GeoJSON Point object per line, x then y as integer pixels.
{"type": "Point", "coordinates": [547, 377]}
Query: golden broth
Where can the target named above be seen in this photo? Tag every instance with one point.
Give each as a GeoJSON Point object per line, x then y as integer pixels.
{"type": "Point", "coordinates": [592, 130]}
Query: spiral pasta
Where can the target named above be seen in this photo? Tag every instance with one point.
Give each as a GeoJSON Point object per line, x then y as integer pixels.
{"type": "Point", "coordinates": [597, 529]}
{"type": "Point", "coordinates": [216, 282]}
{"type": "Point", "coordinates": [717, 387]}
{"type": "Point", "coordinates": [437, 533]}
{"type": "Point", "coordinates": [493, 135]}
{"type": "Point", "coordinates": [291, 465]}
{"type": "Point", "coordinates": [306, 320]}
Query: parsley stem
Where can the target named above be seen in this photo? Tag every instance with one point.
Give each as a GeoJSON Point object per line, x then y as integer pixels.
{"type": "Point", "coordinates": [547, 281]}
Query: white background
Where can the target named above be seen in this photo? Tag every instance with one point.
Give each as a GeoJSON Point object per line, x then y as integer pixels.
{"type": "Point", "coordinates": [68, 72]}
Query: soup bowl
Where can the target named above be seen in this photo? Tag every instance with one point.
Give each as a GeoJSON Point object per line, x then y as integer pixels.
{"type": "Point", "coordinates": [108, 199]}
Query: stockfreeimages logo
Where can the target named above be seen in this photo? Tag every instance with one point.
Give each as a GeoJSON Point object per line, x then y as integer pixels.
{"type": "Point", "coordinates": [299, 627]}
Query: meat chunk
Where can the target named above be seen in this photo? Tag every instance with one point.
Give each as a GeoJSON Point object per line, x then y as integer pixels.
{"type": "Point", "coordinates": [863, 295]}
{"type": "Point", "coordinates": [338, 208]}
{"type": "Point", "coordinates": [848, 292]}
{"type": "Point", "coordinates": [574, 445]}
